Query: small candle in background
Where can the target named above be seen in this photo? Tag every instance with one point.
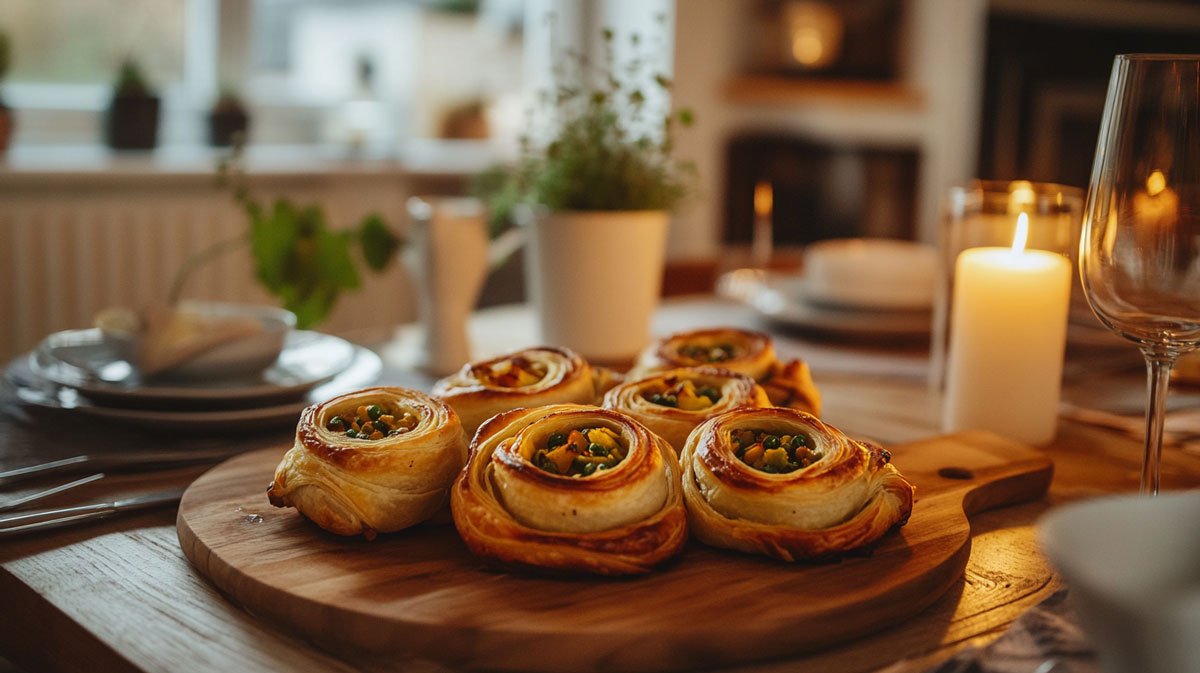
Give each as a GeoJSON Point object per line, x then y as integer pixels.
{"type": "Point", "coordinates": [760, 243]}
{"type": "Point", "coordinates": [1008, 328]}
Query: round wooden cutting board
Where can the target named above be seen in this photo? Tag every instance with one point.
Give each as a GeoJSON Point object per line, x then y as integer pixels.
{"type": "Point", "coordinates": [421, 593]}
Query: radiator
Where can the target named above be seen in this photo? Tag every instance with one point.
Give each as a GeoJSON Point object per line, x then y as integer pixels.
{"type": "Point", "coordinates": [64, 258]}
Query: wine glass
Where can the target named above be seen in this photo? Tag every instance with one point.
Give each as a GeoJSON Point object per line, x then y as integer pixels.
{"type": "Point", "coordinates": [1140, 250]}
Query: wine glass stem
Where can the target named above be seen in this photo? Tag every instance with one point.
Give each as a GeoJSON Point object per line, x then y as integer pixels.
{"type": "Point", "coordinates": [1158, 374]}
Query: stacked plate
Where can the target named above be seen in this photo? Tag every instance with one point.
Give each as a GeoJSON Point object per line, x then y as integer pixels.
{"type": "Point", "coordinates": [81, 371]}
{"type": "Point", "coordinates": [849, 287]}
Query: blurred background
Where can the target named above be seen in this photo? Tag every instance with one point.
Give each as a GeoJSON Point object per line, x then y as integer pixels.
{"type": "Point", "coordinates": [860, 113]}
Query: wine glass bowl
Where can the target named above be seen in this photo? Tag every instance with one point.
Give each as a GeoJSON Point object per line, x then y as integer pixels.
{"type": "Point", "coordinates": [1140, 249]}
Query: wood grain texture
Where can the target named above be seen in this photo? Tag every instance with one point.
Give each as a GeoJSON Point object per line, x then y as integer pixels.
{"type": "Point", "coordinates": [421, 593]}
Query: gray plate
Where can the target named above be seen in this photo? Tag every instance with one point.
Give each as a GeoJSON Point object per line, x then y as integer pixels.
{"type": "Point", "coordinates": [84, 361]}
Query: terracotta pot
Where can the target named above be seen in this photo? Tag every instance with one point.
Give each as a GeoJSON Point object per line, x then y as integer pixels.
{"type": "Point", "coordinates": [595, 278]}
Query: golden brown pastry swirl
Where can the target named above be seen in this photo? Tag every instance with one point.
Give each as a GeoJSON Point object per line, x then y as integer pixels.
{"type": "Point", "coordinates": [532, 377]}
{"type": "Point", "coordinates": [352, 486]}
{"type": "Point", "coordinates": [694, 394]}
{"type": "Point", "coordinates": [788, 384]}
{"type": "Point", "coordinates": [847, 498]}
{"type": "Point", "coordinates": [617, 521]}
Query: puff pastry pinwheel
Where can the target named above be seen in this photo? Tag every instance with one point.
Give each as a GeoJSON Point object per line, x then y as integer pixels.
{"type": "Point", "coordinates": [672, 403]}
{"type": "Point", "coordinates": [779, 482]}
{"type": "Point", "coordinates": [532, 377]}
{"type": "Point", "coordinates": [746, 352]}
{"type": "Point", "coordinates": [570, 488]}
{"type": "Point", "coordinates": [373, 461]}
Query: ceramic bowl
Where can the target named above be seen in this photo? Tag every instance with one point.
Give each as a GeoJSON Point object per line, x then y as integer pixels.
{"type": "Point", "coordinates": [871, 273]}
{"type": "Point", "coordinates": [1133, 567]}
{"type": "Point", "coordinates": [237, 357]}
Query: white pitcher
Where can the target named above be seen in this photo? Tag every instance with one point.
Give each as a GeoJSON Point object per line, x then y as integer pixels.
{"type": "Point", "coordinates": [449, 256]}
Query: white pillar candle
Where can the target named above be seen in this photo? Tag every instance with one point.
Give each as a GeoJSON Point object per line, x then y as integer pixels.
{"type": "Point", "coordinates": [1007, 336]}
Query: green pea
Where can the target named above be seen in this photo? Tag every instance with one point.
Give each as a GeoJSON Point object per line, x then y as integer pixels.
{"type": "Point", "coordinates": [557, 439]}
{"type": "Point", "coordinates": [711, 393]}
{"type": "Point", "coordinates": [374, 412]}
{"type": "Point", "coordinates": [799, 441]}
{"type": "Point", "coordinates": [656, 399]}
{"type": "Point", "coordinates": [590, 469]}
{"type": "Point", "coordinates": [352, 434]}
{"type": "Point", "coordinates": [771, 442]}
{"type": "Point", "coordinates": [597, 450]}
{"type": "Point", "coordinates": [382, 427]}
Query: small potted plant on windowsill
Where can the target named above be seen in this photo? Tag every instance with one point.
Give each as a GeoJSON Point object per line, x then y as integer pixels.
{"type": "Point", "coordinates": [596, 199]}
{"type": "Point", "coordinates": [227, 119]}
{"type": "Point", "coordinates": [6, 115]}
{"type": "Point", "coordinates": [132, 121]}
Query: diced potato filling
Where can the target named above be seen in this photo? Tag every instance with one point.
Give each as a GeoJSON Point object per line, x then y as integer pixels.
{"type": "Point", "coordinates": [683, 394]}
{"type": "Point", "coordinates": [374, 421]}
{"type": "Point", "coordinates": [709, 353]}
{"type": "Point", "coordinates": [580, 453]}
{"type": "Point", "coordinates": [515, 372]}
{"type": "Point", "coordinates": [773, 452]}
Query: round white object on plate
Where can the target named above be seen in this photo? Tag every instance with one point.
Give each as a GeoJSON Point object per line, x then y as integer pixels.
{"type": "Point", "coordinates": [871, 273]}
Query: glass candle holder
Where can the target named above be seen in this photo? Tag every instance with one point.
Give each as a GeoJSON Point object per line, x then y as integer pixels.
{"type": "Point", "coordinates": [986, 215]}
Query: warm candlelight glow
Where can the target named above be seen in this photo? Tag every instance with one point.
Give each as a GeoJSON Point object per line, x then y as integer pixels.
{"type": "Point", "coordinates": [1021, 196]}
{"type": "Point", "coordinates": [1156, 183]}
{"type": "Point", "coordinates": [1022, 233]}
{"type": "Point", "coordinates": [763, 197]}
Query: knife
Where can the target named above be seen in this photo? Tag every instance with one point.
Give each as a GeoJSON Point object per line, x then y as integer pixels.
{"type": "Point", "coordinates": [18, 524]}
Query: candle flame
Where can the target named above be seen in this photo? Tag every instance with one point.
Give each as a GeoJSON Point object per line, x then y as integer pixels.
{"type": "Point", "coordinates": [1156, 183]}
{"type": "Point", "coordinates": [763, 197]}
{"type": "Point", "coordinates": [1022, 233]}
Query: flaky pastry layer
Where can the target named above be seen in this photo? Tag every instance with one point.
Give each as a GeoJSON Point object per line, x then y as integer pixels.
{"type": "Point", "coordinates": [846, 500]}
{"type": "Point", "coordinates": [363, 486]}
{"type": "Point", "coordinates": [675, 424]}
{"type": "Point", "coordinates": [620, 521]}
{"type": "Point", "coordinates": [788, 384]}
{"type": "Point", "coordinates": [568, 378]}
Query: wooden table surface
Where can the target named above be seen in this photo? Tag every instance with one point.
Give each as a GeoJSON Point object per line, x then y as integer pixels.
{"type": "Point", "coordinates": [120, 596]}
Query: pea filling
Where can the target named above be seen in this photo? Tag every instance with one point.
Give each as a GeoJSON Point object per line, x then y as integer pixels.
{"type": "Point", "coordinates": [683, 394]}
{"type": "Point", "coordinates": [774, 453]}
{"type": "Point", "coordinates": [708, 353]}
{"type": "Point", "coordinates": [580, 453]}
{"type": "Point", "coordinates": [373, 422]}
{"type": "Point", "coordinates": [515, 372]}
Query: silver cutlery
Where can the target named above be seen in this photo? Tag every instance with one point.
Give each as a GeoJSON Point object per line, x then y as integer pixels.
{"type": "Point", "coordinates": [124, 460]}
{"type": "Point", "coordinates": [18, 524]}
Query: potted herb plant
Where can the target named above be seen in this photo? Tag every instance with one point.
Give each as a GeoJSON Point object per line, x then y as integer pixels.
{"type": "Point", "coordinates": [596, 200]}
{"type": "Point", "coordinates": [132, 121]}
{"type": "Point", "coordinates": [6, 115]}
{"type": "Point", "coordinates": [227, 119]}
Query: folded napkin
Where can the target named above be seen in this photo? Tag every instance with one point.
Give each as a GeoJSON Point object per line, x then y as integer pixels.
{"type": "Point", "coordinates": [1182, 426]}
{"type": "Point", "coordinates": [1046, 639]}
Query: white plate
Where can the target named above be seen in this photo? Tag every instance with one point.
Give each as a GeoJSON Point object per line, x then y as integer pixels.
{"type": "Point", "coordinates": [363, 370]}
{"type": "Point", "coordinates": [782, 300]}
{"type": "Point", "coordinates": [86, 361]}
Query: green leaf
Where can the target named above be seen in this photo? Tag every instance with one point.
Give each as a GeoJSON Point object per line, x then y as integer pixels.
{"type": "Point", "coordinates": [378, 242]}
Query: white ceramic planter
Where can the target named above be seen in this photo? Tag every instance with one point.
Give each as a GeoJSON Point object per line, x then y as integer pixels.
{"type": "Point", "coordinates": [595, 278]}
{"type": "Point", "coordinates": [448, 258]}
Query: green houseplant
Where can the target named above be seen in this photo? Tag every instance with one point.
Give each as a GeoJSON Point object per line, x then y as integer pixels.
{"type": "Point", "coordinates": [596, 197]}
{"type": "Point", "coordinates": [6, 116]}
{"type": "Point", "coordinates": [132, 120]}
{"type": "Point", "coordinates": [296, 255]}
